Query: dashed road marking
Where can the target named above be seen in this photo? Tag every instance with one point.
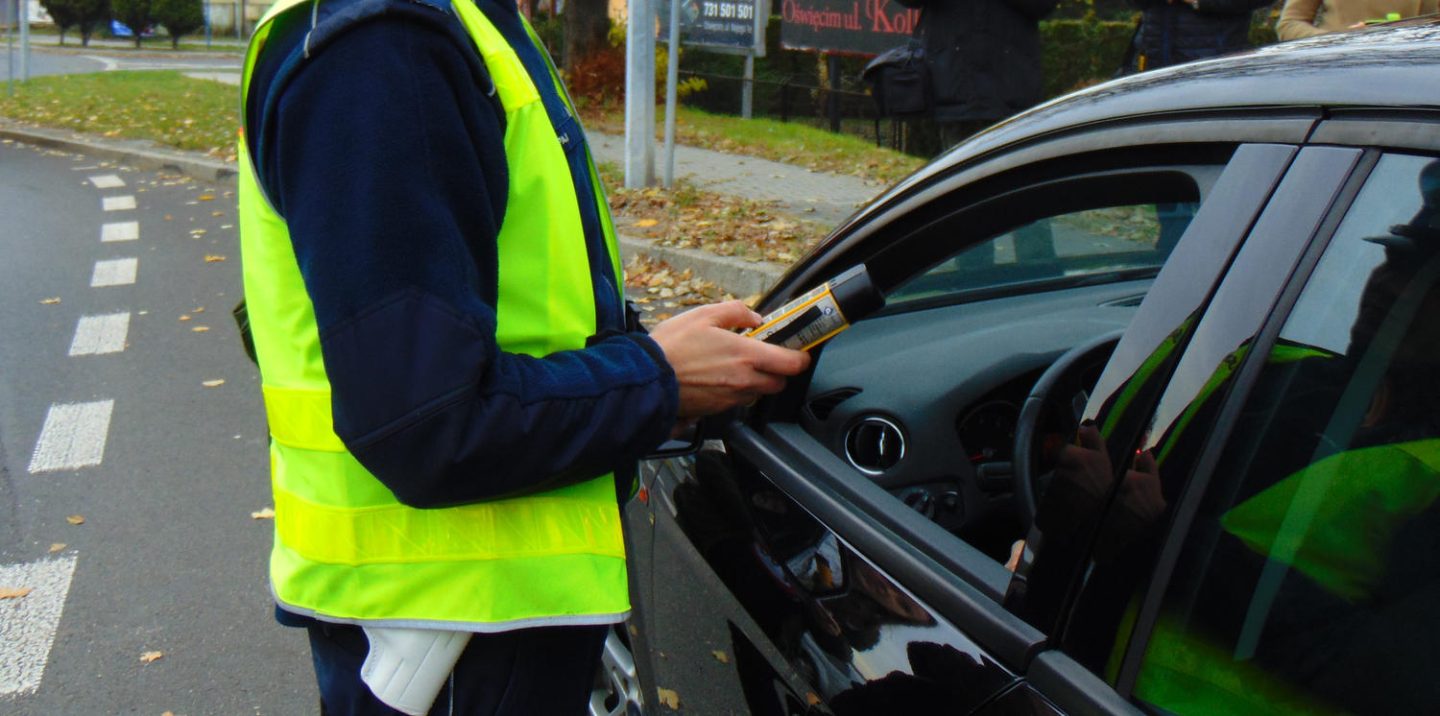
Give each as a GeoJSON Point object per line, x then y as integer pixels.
{"type": "Point", "coordinates": [117, 203]}
{"type": "Point", "coordinates": [28, 626]}
{"type": "Point", "coordinates": [117, 272]}
{"type": "Point", "coordinates": [120, 231]}
{"type": "Point", "coordinates": [98, 335]}
{"type": "Point", "coordinates": [73, 436]}
{"type": "Point", "coordinates": [107, 181]}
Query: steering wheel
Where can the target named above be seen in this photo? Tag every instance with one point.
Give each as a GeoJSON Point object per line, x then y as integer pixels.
{"type": "Point", "coordinates": [1063, 379]}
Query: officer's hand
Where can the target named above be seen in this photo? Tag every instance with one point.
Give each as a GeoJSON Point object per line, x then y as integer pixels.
{"type": "Point", "coordinates": [718, 369]}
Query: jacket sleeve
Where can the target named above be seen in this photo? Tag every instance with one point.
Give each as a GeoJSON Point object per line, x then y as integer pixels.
{"type": "Point", "coordinates": [389, 168]}
{"type": "Point", "coordinates": [1297, 20]}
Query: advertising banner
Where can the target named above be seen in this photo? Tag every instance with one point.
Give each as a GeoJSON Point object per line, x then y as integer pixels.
{"type": "Point", "coordinates": [849, 27]}
{"type": "Point", "coordinates": [717, 24]}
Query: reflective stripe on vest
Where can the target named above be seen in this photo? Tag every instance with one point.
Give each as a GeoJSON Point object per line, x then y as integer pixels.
{"type": "Point", "coordinates": [345, 549]}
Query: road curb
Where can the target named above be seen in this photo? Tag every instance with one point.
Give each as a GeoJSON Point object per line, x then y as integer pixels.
{"type": "Point", "coordinates": [140, 154]}
{"type": "Point", "coordinates": [737, 276]}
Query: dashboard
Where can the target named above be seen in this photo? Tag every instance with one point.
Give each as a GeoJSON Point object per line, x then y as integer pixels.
{"type": "Point", "coordinates": [925, 402]}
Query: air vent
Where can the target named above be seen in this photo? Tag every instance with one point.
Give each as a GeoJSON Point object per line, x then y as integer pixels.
{"type": "Point", "coordinates": [874, 445]}
{"type": "Point", "coordinates": [823, 405]}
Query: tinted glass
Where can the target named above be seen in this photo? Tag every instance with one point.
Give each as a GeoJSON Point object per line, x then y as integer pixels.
{"type": "Point", "coordinates": [1308, 582]}
{"type": "Point", "coordinates": [1109, 243]}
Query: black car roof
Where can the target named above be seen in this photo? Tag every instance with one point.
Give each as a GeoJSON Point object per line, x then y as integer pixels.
{"type": "Point", "coordinates": [1396, 66]}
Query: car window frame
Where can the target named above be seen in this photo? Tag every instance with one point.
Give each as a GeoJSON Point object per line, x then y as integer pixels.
{"type": "Point", "coordinates": [965, 585]}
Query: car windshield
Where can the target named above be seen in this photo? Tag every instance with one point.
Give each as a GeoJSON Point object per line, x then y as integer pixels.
{"type": "Point", "coordinates": [1091, 246]}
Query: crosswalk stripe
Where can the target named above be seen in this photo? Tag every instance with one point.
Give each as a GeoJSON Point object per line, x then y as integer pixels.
{"type": "Point", "coordinates": [98, 335]}
{"type": "Point", "coordinates": [28, 624]}
{"type": "Point", "coordinates": [120, 231]}
{"type": "Point", "coordinates": [117, 203]}
{"type": "Point", "coordinates": [117, 272]}
{"type": "Point", "coordinates": [73, 436]}
{"type": "Point", "coordinates": [107, 181]}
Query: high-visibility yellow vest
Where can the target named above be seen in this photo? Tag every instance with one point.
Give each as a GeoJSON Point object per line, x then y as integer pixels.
{"type": "Point", "coordinates": [345, 549]}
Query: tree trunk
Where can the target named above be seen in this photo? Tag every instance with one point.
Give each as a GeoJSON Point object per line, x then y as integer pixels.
{"type": "Point", "coordinates": [587, 27]}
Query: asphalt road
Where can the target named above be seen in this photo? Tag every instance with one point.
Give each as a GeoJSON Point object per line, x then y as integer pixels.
{"type": "Point", "coordinates": [72, 59]}
{"type": "Point", "coordinates": [114, 333]}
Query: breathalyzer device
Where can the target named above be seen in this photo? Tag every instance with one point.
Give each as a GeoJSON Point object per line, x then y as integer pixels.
{"type": "Point", "coordinates": [826, 310]}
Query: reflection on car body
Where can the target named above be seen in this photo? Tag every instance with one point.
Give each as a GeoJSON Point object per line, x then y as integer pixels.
{"type": "Point", "coordinates": [1169, 343]}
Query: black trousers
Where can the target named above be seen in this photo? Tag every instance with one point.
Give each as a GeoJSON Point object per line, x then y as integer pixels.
{"type": "Point", "coordinates": [548, 670]}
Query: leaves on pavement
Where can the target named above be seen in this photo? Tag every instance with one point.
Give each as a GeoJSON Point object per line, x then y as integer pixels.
{"type": "Point", "coordinates": [151, 657]}
{"type": "Point", "coordinates": [211, 258]}
{"type": "Point", "coordinates": [76, 519]}
{"type": "Point", "coordinates": [265, 513]}
{"type": "Point", "coordinates": [50, 301]}
{"type": "Point", "coordinates": [721, 656]}
{"type": "Point", "coordinates": [200, 329]}
{"type": "Point", "coordinates": [56, 547]}
{"type": "Point", "coordinates": [668, 698]}
{"type": "Point", "coordinates": [216, 383]}
{"type": "Point", "coordinates": [14, 592]}
{"type": "Point", "coordinates": [690, 218]}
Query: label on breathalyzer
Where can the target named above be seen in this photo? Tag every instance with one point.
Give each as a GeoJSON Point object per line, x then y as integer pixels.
{"type": "Point", "coordinates": [804, 322]}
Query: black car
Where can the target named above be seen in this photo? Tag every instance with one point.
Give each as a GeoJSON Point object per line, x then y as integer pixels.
{"type": "Point", "coordinates": [1149, 423]}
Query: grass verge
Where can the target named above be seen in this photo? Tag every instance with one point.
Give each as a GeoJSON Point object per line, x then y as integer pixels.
{"type": "Point", "coordinates": [789, 142]}
{"type": "Point", "coordinates": [165, 107]}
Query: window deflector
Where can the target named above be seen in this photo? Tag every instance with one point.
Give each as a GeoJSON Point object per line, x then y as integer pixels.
{"type": "Point", "coordinates": [1318, 172]}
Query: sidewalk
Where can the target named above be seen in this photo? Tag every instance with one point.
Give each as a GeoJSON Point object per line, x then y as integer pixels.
{"type": "Point", "coordinates": [826, 198]}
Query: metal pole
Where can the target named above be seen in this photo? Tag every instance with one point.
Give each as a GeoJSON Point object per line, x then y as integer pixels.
{"type": "Point", "coordinates": [640, 94]}
{"type": "Point", "coordinates": [747, 88]}
{"type": "Point", "coordinates": [24, 40]}
{"type": "Point", "coordinates": [672, 80]}
{"type": "Point", "coordinates": [834, 65]}
{"type": "Point", "coordinates": [207, 24]}
{"type": "Point", "coordinates": [10, 44]}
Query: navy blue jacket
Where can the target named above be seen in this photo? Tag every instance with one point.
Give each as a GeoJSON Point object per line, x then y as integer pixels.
{"type": "Point", "coordinates": [383, 151]}
{"type": "Point", "coordinates": [1173, 32]}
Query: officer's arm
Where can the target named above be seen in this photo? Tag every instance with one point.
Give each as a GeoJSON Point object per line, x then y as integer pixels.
{"type": "Point", "coordinates": [389, 168]}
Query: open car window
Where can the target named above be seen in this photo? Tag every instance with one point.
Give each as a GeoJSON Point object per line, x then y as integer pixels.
{"type": "Point", "coordinates": [1095, 245]}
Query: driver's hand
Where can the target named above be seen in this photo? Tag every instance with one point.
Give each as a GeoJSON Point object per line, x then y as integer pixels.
{"type": "Point", "coordinates": [1086, 465]}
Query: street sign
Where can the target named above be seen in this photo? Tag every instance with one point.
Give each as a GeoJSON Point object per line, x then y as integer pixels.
{"type": "Point", "coordinates": [847, 27]}
{"type": "Point", "coordinates": [718, 25]}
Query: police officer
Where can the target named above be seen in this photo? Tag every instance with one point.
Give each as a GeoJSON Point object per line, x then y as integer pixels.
{"type": "Point", "coordinates": [454, 400]}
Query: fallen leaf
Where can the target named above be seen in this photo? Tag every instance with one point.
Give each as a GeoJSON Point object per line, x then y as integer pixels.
{"type": "Point", "coordinates": [198, 309]}
{"type": "Point", "coordinates": [168, 217]}
{"type": "Point", "coordinates": [14, 592]}
{"type": "Point", "coordinates": [206, 197]}
{"type": "Point", "coordinates": [184, 316]}
{"type": "Point", "coordinates": [213, 383]}
{"type": "Point", "coordinates": [151, 657]}
{"type": "Point", "coordinates": [267, 513]}
{"type": "Point", "coordinates": [812, 698]}
{"type": "Point", "coordinates": [213, 258]}
{"type": "Point", "coordinates": [168, 713]}
{"type": "Point", "coordinates": [57, 547]}
{"type": "Point", "coordinates": [669, 698]}
{"type": "Point", "coordinates": [721, 657]}
{"type": "Point", "coordinates": [76, 519]}
{"type": "Point", "coordinates": [200, 329]}
{"type": "Point", "coordinates": [213, 213]}
{"type": "Point", "coordinates": [50, 301]}
{"type": "Point", "coordinates": [646, 223]}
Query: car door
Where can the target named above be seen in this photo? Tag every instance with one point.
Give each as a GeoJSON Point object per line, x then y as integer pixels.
{"type": "Point", "coordinates": [785, 576]}
{"type": "Point", "coordinates": [1291, 569]}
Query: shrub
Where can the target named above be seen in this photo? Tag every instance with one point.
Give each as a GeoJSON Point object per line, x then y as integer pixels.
{"type": "Point", "coordinates": [84, 15]}
{"type": "Point", "coordinates": [180, 17]}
